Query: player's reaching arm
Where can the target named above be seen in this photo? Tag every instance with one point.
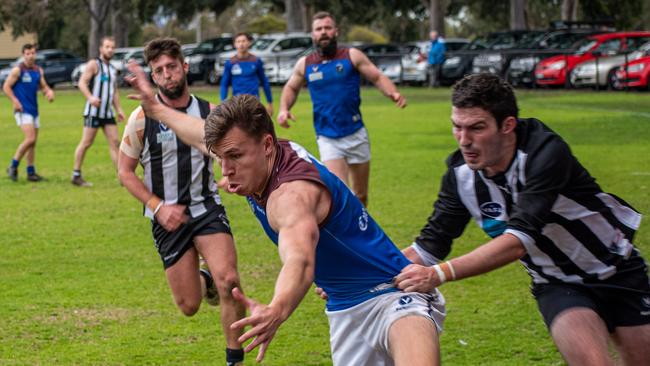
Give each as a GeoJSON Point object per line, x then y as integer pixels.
{"type": "Point", "coordinates": [188, 128]}
{"type": "Point", "coordinates": [290, 93]}
{"type": "Point", "coordinates": [294, 211]}
{"type": "Point", "coordinates": [372, 74]}
{"type": "Point", "coordinates": [47, 91]}
{"type": "Point", "coordinates": [169, 216]}
{"type": "Point", "coordinates": [7, 87]}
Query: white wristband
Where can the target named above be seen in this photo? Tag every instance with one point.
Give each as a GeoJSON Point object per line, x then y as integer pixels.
{"type": "Point", "coordinates": [441, 274]}
{"type": "Point", "coordinates": [160, 204]}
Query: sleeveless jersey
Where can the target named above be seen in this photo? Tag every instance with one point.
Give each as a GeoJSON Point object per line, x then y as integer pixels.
{"type": "Point", "coordinates": [175, 171]}
{"type": "Point", "coordinates": [26, 88]}
{"type": "Point", "coordinates": [333, 84]}
{"type": "Point", "coordinates": [245, 76]}
{"type": "Point", "coordinates": [102, 86]}
{"type": "Point", "coordinates": [355, 259]}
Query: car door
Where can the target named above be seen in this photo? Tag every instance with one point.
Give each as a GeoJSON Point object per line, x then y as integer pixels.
{"type": "Point", "coordinates": [53, 68]}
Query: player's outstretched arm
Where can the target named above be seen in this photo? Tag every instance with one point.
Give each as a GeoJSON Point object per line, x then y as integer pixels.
{"type": "Point", "coordinates": [294, 211]}
{"type": "Point", "coordinates": [372, 74]}
{"type": "Point", "coordinates": [496, 253]}
{"type": "Point", "coordinates": [290, 93]}
{"type": "Point", "coordinates": [187, 128]}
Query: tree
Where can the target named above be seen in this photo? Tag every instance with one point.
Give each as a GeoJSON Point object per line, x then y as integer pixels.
{"type": "Point", "coordinates": [570, 10]}
{"type": "Point", "coordinates": [518, 15]}
{"type": "Point", "coordinates": [295, 10]}
{"type": "Point", "coordinates": [98, 10]}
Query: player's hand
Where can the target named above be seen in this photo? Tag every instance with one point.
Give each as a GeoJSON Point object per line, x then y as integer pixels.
{"type": "Point", "coordinates": [321, 293]}
{"type": "Point", "coordinates": [140, 84]}
{"type": "Point", "coordinates": [399, 99]}
{"type": "Point", "coordinates": [269, 109]}
{"type": "Point", "coordinates": [120, 114]}
{"type": "Point", "coordinates": [171, 217]}
{"type": "Point", "coordinates": [18, 107]}
{"type": "Point", "coordinates": [94, 101]}
{"type": "Point", "coordinates": [49, 95]}
{"type": "Point", "coordinates": [284, 117]}
{"type": "Point", "coordinates": [264, 320]}
{"type": "Point", "coordinates": [417, 278]}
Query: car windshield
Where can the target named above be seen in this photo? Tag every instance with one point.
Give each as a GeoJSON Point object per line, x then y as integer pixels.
{"type": "Point", "coordinates": [584, 46]}
{"type": "Point", "coordinates": [530, 40]}
{"type": "Point", "coordinates": [482, 42]}
{"type": "Point", "coordinates": [117, 56]}
{"type": "Point", "coordinates": [261, 44]}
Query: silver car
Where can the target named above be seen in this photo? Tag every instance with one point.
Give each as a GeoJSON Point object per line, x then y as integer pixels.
{"type": "Point", "coordinates": [602, 70]}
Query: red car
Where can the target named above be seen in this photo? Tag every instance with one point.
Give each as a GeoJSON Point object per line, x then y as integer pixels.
{"type": "Point", "coordinates": [634, 74]}
{"type": "Point", "coordinates": [554, 70]}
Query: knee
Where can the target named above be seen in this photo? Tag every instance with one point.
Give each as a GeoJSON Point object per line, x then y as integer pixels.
{"type": "Point", "coordinates": [226, 283]}
{"type": "Point", "coordinates": [30, 141]}
{"type": "Point", "coordinates": [188, 307]}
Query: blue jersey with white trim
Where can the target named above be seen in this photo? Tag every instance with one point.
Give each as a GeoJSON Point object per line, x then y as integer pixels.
{"type": "Point", "coordinates": [26, 88]}
{"type": "Point", "coordinates": [355, 259]}
{"type": "Point", "coordinates": [333, 84]}
{"type": "Point", "coordinates": [245, 76]}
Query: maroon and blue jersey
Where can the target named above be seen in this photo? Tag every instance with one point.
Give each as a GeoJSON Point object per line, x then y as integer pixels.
{"type": "Point", "coordinates": [355, 259]}
{"type": "Point", "coordinates": [26, 88]}
{"type": "Point", "coordinates": [245, 75]}
{"type": "Point", "coordinates": [333, 84]}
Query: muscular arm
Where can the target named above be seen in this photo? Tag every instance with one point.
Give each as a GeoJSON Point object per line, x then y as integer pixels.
{"type": "Point", "coordinates": [7, 87]}
{"type": "Point", "coordinates": [290, 93]}
{"type": "Point", "coordinates": [372, 74]}
{"type": "Point", "coordinates": [84, 80]}
{"type": "Point", "coordinates": [188, 128]}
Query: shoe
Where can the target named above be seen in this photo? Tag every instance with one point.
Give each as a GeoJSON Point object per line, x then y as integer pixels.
{"type": "Point", "coordinates": [34, 177]}
{"type": "Point", "coordinates": [211, 293]}
{"type": "Point", "coordinates": [12, 173]}
{"type": "Point", "coordinates": [79, 181]}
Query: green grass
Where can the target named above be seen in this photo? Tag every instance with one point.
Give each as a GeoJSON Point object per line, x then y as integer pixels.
{"type": "Point", "coordinates": [82, 284]}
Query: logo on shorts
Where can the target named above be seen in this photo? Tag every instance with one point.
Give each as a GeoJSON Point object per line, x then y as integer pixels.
{"type": "Point", "coordinates": [491, 209]}
{"type": "Point", "coordinates": [405, 300]}
{"type": "Point", "coordinates": [363, 220]}
{"type": "Point", "coordinates": [339, 67]}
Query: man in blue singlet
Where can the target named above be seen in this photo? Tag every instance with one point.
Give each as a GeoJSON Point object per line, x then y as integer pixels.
{"type": "Point", "coordinates": [245, 72]}
{"type": "Point", "coordinates": [21, 87]}
{"type": "Point", "coordinates": [323, 233]}
{"type": "Point", "coordinates": [332, 75]}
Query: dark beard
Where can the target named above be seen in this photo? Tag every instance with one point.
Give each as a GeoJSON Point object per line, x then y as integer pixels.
{"type": "Point", "coordinates": [329, 50]}
{"type": "Point", "coordinates": [174, 93]}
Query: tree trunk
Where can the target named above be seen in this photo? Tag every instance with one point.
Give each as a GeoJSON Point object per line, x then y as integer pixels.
{"type": "Point", "coordinates": [436, 15]}
{"type": "Point", "coordinates": [518, 15]}
{"type": "Point", "coordinates": [98, 10]}
{"type": "Point", "coordinates": [120, 27]}
{"type": "Point", "coordinates": [295, 13]}
{"type": "Point", "coordinates": [570, 10]}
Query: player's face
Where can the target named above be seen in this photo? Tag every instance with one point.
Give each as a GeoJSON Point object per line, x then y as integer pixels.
{"type": "Point", "coordinates": [242, 44]}
{"type": "Point", "coordinates": [324, 31]}
{"type": "Point", "coordinates": [169, 74]}
{"type": "Point", "coordinates": [480, 140]}
{"type": "Point", "coordinates": [244, 161]}
{"type": "Point", "coordinates": [29, 55]}
{"type": "Point", "coordinates": [107, 50]}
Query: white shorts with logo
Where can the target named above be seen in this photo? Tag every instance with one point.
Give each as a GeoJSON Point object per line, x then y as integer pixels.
{"type": "Point", "coordinates": [354, 148]}
{"type": "Point", "coordinates": [359, 335]}
{"type": "Point", "coordinates": [23, 118]}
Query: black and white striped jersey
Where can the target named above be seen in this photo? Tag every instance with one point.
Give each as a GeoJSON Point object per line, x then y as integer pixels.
{"type": "Point", "coordinates": [102, 86]}
{"type": "Point", "coordinates": [572, 231]}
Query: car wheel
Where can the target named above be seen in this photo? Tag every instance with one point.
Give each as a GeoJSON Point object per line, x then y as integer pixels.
{"type": "Point", "coordinates": [213, 79]}
{"type": "Point", "coordinates": [612, 82]}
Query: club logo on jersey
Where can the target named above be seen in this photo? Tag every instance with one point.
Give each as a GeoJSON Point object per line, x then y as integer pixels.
{"type": "Point", "coordinates": [165, 134]}
{"type": "Point", "coordinates": [339, 67]}
{"type": "Point", "coordinates": [236, 69]}
{"type": "Point", "coordinates": [405, 300]}
{"type": "Point", "coordinates": [314, 68]}
{"type": "Point", "coordinates": [27, 78]}
{"type": "Point", "coordinates": [363, 220]}
{"type": "Point", "coordinates": [104, 76]}
{"type": "Point", "coordinates": [492, 209]}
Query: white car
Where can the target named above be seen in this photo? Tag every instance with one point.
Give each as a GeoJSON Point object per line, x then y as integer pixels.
{"type": "Point", "coordinates": [278, 51]}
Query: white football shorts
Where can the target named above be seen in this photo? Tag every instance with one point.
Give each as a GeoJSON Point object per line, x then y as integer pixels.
{"type": "Point", "coordinates": [354, 148]}
{"type": "Point", "coordinates": [359, 335]}
{"type": "Point", "coordinates": [23, 118]}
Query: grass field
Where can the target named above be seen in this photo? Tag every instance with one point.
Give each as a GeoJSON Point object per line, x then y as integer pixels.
{"type": "Point", "coordinates": [82, 284]}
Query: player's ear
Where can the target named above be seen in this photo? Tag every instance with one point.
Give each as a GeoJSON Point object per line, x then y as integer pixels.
{"type": "Point", "coordinates": [508, 124]}
{"type": "Point", "coordinates": [268, 144]}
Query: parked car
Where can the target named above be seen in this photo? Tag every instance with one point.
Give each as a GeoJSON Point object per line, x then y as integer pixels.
{"type": "Point", "coordinates": [277, 51]}
{"type": "Point", "coordinates": [387, 57]}
{"type": "Point", "coordinates": [556, 70]}
{"type": "Point", "coordinates": [634, 74]}
{"type": "Point", "coordinates": [459, 63]}
{"type": "Point", "coordinates": [57, 66]}
{"type": "Point", "coordinates": [601, 71]}
{"type": "Point", "coordinates": [415, 60]}
{"type": "Point", "coordinates": [118, 61]}
{"type": "Point", "coordinates": [203, 58]}
{"type": "Point", "coordinates": [534, 45]}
